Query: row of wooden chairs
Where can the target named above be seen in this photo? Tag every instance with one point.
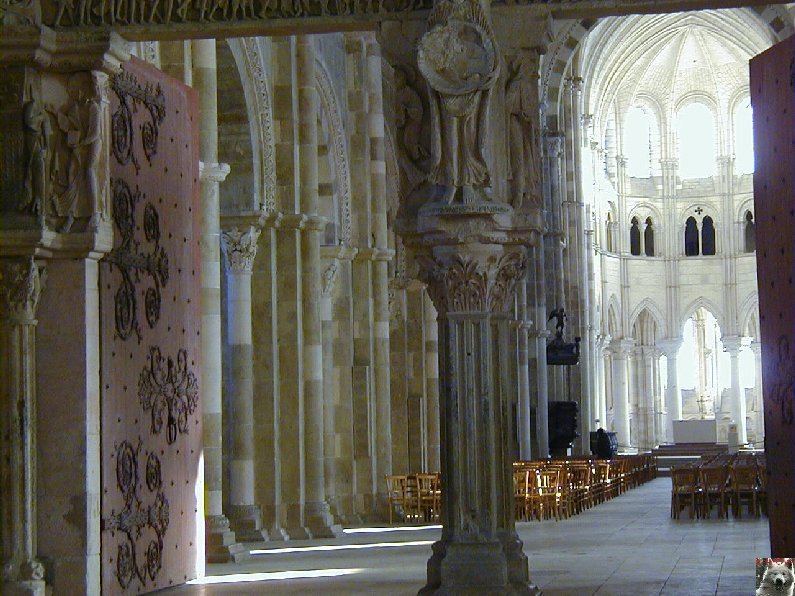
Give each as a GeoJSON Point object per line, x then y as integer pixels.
{"type": "Point", "coordinates": [414, 498]}
{"type": "Point", "coordinates": [558, 489]}
{"type": "Point", "coordinates": [725, 482]}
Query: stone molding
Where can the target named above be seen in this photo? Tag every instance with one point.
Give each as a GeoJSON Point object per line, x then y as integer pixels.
{"type": "Point", "coordinates": [240, 249]}
{"type": "Point", "coordinates": [374, 254]}
{"type": "Point", "coordinates": [469, 283]}
{"type": "Point", "coordinates": [20, 288]}
{"type": "Point", "coordinates": [670, 346]}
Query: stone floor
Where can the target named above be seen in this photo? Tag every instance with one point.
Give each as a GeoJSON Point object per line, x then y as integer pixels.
{"type": "Point", "coordinates": [627, 546]}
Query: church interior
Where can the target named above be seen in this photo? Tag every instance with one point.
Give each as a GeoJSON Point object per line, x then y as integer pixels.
{"type": "Point", "coordinates": [261, 260]}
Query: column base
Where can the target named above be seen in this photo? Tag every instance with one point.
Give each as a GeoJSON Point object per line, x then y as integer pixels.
{"type": "Point", "coordinates": [246, 522]}
{"type": "Point", "coordinates": [221, 542]}
{"type": "Point", "coordinates": [319, 522]}
{"type": "Point", "coordinates": [496, 567]}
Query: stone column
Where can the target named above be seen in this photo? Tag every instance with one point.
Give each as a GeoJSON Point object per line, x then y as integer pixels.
{"type": "Point", "coordinates": [673, 397]}
{"type": "Point", "coordinates": [240, 249]}
{"type": "Point", "coordinates": [20, 287]}
{"type": "Point", "coordinates": [432, 381]}
{"type": "Point", "coordinates": [619, 350]}
{"type": "Point", "coordinates": [756, 348]}
{"type": "Point", "coordinates": [317, 517]}
{"type": "Point", "coordinates": [541, 336]}
{"type": "Point", "coordinates": [381, 257]}
{"type": "Point", "coordinates": [523, 374]}
{"type": "Point", "coordinates": [220, 540]}
{"type": "Point", "coordinates": [733, 345]}
{"type": "Point", "coordinates": [600, 383]}
{"type": "Point", "coordinates": [472, 287]}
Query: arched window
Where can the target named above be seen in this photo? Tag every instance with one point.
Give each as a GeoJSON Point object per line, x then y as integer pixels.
{"type": "Point", "coordinates": [634, 237]}
{"type": "Point", "coordinates": [609, 233]}
{"type": "Point", "coordinates": [750, 232]}
{"type": "Point", "coordinates": [696, 131]}
{"type": "Point", "coordinates": [707, 236]}
{"type": "Point", "coordinates": [743, 138]}
{"type": "Point", "coordinates": [691, 237]}
{"type": "Point", "coordinates": [648, 238]}
{"type": "Point", "coordinates": [639, 126]}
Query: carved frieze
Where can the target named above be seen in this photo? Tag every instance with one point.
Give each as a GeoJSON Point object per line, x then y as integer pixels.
{"type": "Point", "coordinates": [170, 391]}
{"type": "Point", "coordinates": [20, 288]}
{"type": "Point", "coordinates": [60, 13]}
{"type": "Point", "coordinates": [240, 249]}
{"type": "Point", "coordinates": [131, 94]}
{"type": "Point", "coordinates": [137, 522]}
{"type": "Point", "coordinates": [132, 263]}
{"type": "Point", "coordinates": [470, 284]}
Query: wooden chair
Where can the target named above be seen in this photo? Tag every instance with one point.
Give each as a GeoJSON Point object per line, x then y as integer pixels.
{"type": "Point", "coordinates": [521, 493]}
{"type": "Point", "coordinates": [684, 491]}
{"type": "Point", "coordinates": [402, 496]}
{"type": "Point", "coordinates": [744, 487]}
{"type": "Point", "coordinates": [429, 495]}
{"type": "Point", "coordinates": [549, 497]}
{"type": "Point", "coordinates": [713, 481]}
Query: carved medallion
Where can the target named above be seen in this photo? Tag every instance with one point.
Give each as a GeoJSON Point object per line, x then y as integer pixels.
{"type": "Point", "coordinates": [133, 263]}
{"type": "Point", "coordinates": [168, 391]}
{"type": "Point", "coordinates": [138, 522]}
{"type": "Point", "coordinates": [131, 95]}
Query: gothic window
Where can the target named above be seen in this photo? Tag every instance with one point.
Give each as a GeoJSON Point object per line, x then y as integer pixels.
{"type": "Point", "coordinates": [638, 130]}
{"type": "Point", "coordinates": [634, 237]}
{"type": "Point", "coordinates": [750, 232]}
{"type": "Point", "coordinates": [691, 237]}
{"type": "Point", "coordinates": [743, 138]}
{"type": "Point", "coordinates": [707, 236]}
{"type": "Point", "coordinates": [696, 133]}
{"type": "Point", "coordinates": [648, 238]}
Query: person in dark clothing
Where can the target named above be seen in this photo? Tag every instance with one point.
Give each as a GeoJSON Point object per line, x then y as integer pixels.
{"type": "Point", "coordinates": [604, 450]}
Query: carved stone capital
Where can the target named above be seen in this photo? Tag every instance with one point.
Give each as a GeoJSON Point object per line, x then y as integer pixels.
{"type": "Point", "coordinates": [472, 281]}
{"type": "Point", "coordinates": [20, 288]}
{"type": "Point", "coordinates": [240, 248]}
{"type": "Point", "coordinates": [670, 347]}
{"type": "Point", "coordinates": [213, 172]}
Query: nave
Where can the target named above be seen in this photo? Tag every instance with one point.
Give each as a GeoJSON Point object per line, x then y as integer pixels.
{"type": "Point", "coordinates": [628, 545]}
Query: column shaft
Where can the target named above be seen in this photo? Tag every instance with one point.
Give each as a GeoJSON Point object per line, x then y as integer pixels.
{"type": "Point", "coordinates": [620, 396]}
{"type": "Point", "coordinates": [219, 538]}
{"type": "Point", "coordinates": [20, 287]}
{"type": "Point", "coordinates": [240, 249]}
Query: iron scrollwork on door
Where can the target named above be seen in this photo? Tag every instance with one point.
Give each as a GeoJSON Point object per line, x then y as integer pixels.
{"type": "Point", "coordinates": [130, 95]}
{"type": "Point", "coordinates": [132, 262]}
{"type": "Point", "coordinates": [168, 390]}
{"type": "Point", "coordinates": [137, 520]}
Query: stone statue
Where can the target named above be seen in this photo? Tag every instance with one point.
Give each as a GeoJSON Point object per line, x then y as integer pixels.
{"type": "Point", "coordinates": [81, 123]}
{"type": "Point", "coordinates": [37, 131]}
{"type": "Point", "coordinates": [521, 102]}
{"type": "Point", "coordinates": [458, 58]}
{"type": "Point", "coordinates": [409, 113]}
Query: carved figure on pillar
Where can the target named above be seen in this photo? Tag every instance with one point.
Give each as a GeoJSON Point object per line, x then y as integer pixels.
{"type": "Point", "coordinates": [409, 113]}
{"type": "Point", "coordinates": [80, 121]}
{"type": "Point", "coordinates": [458, 58]}
{"type": "Point", "coordinates": [37, 132]}
{"type": "Point", "coordinates": [522, 105]}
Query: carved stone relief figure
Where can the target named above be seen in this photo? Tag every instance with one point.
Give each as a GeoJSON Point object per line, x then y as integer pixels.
{"type": "Point", "coordinates": [409, 113]}
{"type": "Point", "coordinates": [76, 165]}
{"type": "Point", "coordinates": [458, 57]}
{"type": "Point", "coordinates": [36, 125]}
{"type": "Point", "coordinates": [521, 103]}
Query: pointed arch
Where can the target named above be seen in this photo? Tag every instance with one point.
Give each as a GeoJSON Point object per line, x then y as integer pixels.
{"type": "Point", "coordinates": [654, 311]}
{"type": "Point", "coordinates": [706, 304]}
{"type": "Point", "coordinates": [614, 327]}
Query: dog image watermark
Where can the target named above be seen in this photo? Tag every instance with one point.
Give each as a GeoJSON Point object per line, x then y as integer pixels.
{"type": "Point", "coordinates": [775, 577]}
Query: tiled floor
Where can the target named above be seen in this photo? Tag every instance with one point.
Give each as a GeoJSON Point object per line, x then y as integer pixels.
{"type": "Point", "coordinates": [627, 546]}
